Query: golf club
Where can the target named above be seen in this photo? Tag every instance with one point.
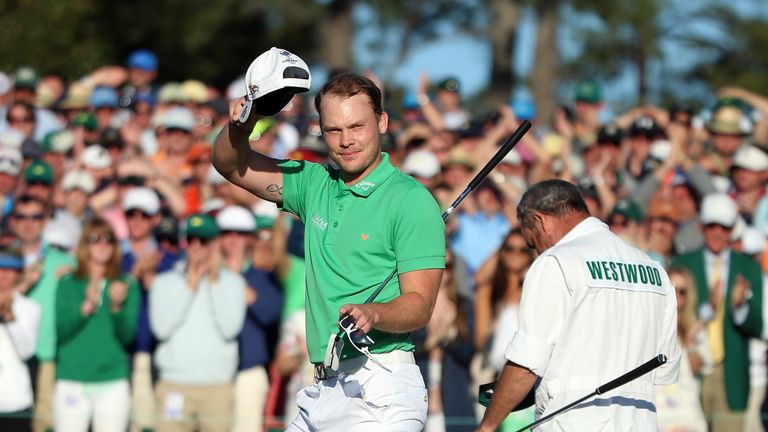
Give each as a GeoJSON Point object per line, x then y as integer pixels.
{"type": "Point", "coordinates": [505, 148]}
{"type": "Point", "coordinates": [618, 382]}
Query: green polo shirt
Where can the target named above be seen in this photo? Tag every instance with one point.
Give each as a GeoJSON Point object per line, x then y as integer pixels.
{"type": "Point", "coordinates": [355, 236]}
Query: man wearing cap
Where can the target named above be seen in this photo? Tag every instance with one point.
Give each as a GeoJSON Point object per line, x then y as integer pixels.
{"type": "Point", "coordinates": [142, 259]}
{"type": "Point", "coordinates": [27, 220]}
{"type": "Point", "coordinates": [142, 71]}
{"type": "Point", "coordinates": [588, 104]}
{"type": "Point", "coordinates": [10, 167]}
{"type": "Point", "coordinates": [77, 186]}
{"type": "Point", "coordinates": [38, 180]}
{"type": "Point", "coordinates": [196, 311]}
{"type": "Point", "coordinates": [728, 128]}
{"type": "Point", "coordinates": [174, 139]}
{"type": "Point", "coordinates": [446, 112]}
{"type": "Point", "coordinates": [749, 173]}
{"type": "Point", "coordinates": [264, 302]}
{"type": "Point", "coordinates": [730, 292]}
{"type": "Point", "coordinates": [19, 322]}
{"type": "Point", "coordinates": [624, 221]}
{"type": "Point", "coordinates": [352, 245]}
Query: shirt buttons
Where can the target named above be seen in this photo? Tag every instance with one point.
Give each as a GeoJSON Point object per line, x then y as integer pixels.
{"type": "Point", "coordinates": [335, 224]}
{"type": "Point", "coordinates": [341, 207]}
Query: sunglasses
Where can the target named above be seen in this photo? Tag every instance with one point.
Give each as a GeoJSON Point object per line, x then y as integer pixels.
{"type": "Point", "coordinates": [136, 212]}
{"type": "Point", "coordinates": [355, 335]}
{"type": "Point", "coordinates": [716, 225]}
{"type": "Point", "coordinates": [510, 248]}
{"type": "Point", "coordinates": [94, 238]}
{"type": "Point", "coordinates": [201, 240]}
{"type": "Point", "coordinates": [31, 216]}
{"type": "Point", "coordinates": [20, 120]}
{"type": "Point", "coordinates": [38, 183]}
{"type": "Point", "coordinates": [131, 181]}
{"type": "Point", "coordinates": [242, 233]}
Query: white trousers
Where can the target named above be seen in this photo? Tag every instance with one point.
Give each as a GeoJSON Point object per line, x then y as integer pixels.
{"type": "Point", "coordinates": [251, 388]}
{"type": "Point", "coordinates": [106, 406]}
{"type": "Point", "coordinates": [365, 397]}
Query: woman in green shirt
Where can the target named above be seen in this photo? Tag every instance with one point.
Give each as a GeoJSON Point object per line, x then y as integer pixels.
{"type": "Point", "coordinates": [96, 313]}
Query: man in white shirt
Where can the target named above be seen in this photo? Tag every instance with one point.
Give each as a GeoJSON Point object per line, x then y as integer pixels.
{"type": "Point", "coordinates": [593, 308]}
{"type": "Point", "coordinates": [19, 322]}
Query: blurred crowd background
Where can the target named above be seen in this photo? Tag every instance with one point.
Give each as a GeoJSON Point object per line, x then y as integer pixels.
{"type": "Point", "coordinates": [110, 209]}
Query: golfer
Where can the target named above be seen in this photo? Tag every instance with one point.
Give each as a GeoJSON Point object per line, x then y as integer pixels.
{"type": "Point", "coordinates": [364, 219]}
{"type": "Point", "coordinates": [593, 308]}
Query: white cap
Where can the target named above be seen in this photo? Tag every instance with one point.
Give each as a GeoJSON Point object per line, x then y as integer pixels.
{"type": "Point", "coordinates": [78, 180]}
{"type": "Point", "coordinates": [12, 138]}
{"type": "Point", "coordinates": [142, 198]}
{"type": "Point", "coordinates": [10, 161]}
{"type": "Point", "coordinates": [62, 231]}
{"type": "Point", "coordinates": [719, 209]}
{"type": "Point", "coordinates": [421, 163]}
{"type": "Point", "coordinates": [178, 118]}
{"type": "Point", "coordinates": [753, 240]}
{"type": "Point", "coordinates": [276, 69]}
{"type": "Point", "coordinates": [236, 218]}
{"type": "Point", "coordinates": [750, 158]}
{"type": "Point", "coordinates": [5, 83]}
{"type": "Point", "coordinates": [661, 149]}
{"type": "Point", "coordinates": [512, 158]}
{"type": "Point", "coordinates": [212, 205]}
{"type": "Point", "coordinates": [266, 208]}
{"type": "Point", "coordinates": [96, 157]}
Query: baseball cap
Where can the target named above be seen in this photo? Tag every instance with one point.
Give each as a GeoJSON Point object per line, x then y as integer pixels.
{"type": "Point", "coordinates": [178, 118]}
{"type": "Point", "coordinates": [194, 91]}
{"type": "Point", "coordinates": [62, 232]}
{"type": "Point", "coordinates": [459, 156]}
{"type": "Point", "coordinates": [142, 198]}
{"type": "Point", "coordinates": [11, 138]}
{"type": "Point", "coordinates": [86, 120]}
{"type": "Point", "coordinates": [750, 158]}
{"type": "Point", "coordinates": [236, 218]}
{"type": "Point", "coordinates": [170, 92]}
{"type": "Point", "coordinates": [167, 229]}
{"type": "Point", "coordinates": [104, 97]}
{"type": "Point", "coordinates": [58, 141]}
{"type": "Point", "coordinates": [142, 59]}
{"type": "Point", "coordinates": [588, 91]}
{"type": "Point", "coordinates": [10, 161]}
{"type": "Point", "coordinates": [719, 209]}
{"type": "Point", "coordinates": [753, 240]}
{"type": "Point", "coordinates": [628, 209]}
{"type": "Point", "coordinates": [274, 70]}
{"type": "Point", "coordinates": [421, 163]}
{"type": "Point", "coordinates": [524, 109]}
{"type": "Point", "coordinates": [96, 157]}
{"type": "Point", "coordinates": [512, 158]}
{"type": "Point", "coordinates": [645, 126]}
{"type": "Point", "coordinates": [5, 83]}
{"type": "Point", "coordinates": [26, 78]}
{"type": "Point", "coordinates": [78, 180]}
{"type": "Point", "coordinates": [201, 225]}
{"type": "Point", "coordinates": [38, 172]}
{"type": "Point", "coordinates": [609, 134]}
{"type": "Point", "coordinates": [450, 84]}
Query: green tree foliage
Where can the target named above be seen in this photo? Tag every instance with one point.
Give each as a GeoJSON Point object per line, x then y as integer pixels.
{"type": "Point", "coordinates": [740, 59]}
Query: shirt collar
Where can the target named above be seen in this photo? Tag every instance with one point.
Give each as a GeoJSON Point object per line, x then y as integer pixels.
{"type": "Point", "coordinates": [370, 182]}
{"type": "Point", "coordinates": [582, 228]}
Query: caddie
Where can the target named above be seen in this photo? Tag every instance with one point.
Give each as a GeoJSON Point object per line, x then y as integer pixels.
{"type": "Point", "coordinates": [593, 308]}
{"type": "Point", "coordinates": [364, 219]}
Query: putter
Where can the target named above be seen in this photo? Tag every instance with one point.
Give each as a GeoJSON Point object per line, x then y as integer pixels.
{"type": "Point", "coordinates": [618, 382]}
{"type": "Point", "coordinates": [505, 148]}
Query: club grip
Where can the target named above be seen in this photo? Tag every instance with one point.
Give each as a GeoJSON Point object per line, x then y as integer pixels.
{"type": "Point", "coordinates": [633, 374]}
{"type": "Point", "coordinates": [505, 148]}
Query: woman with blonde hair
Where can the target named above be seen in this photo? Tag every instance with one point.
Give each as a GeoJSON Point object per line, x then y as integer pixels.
{"type": "Point", "coordinates": [96, 313]}
{"type": "Point", "coordinates": [678, 406]}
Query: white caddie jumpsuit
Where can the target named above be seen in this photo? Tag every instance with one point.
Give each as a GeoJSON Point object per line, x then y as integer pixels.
{"type": "Point", "coordinates": [592, 309]}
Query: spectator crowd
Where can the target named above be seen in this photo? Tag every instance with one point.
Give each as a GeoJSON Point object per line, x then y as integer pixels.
{"type": "Point", "coordinates": [139, 290]}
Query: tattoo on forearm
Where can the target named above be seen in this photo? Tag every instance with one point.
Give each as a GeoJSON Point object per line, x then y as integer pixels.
{"type": "Point", "coordinates": [275, 191]}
